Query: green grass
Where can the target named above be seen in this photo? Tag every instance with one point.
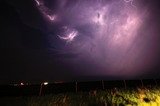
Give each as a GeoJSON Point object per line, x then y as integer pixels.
{"type": "Point", "coordinates": [121, 97]}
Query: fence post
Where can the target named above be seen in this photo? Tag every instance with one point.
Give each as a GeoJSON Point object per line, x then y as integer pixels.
{"type": "Point", "coordinates": [102, 84]}
{"type": "Point", "coordinates": [155, 82]}
{"type": "Point", "coordinates": [76, 87]}
{"type": "Point", "coordinates": [125, 86]}
{"type": "Point", "coordinates": [40, 90]}
{"type": "Point", "coordinates": [142, 83]}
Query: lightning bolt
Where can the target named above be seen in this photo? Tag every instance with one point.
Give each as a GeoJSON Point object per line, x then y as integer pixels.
{"type": "Point", "coordinates": [45, 11]}
{"type": "Point", "coordinates": [68, 34]}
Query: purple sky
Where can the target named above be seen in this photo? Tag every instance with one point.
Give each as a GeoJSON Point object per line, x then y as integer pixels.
{"type": "Point", "coordinates": [70, 39]}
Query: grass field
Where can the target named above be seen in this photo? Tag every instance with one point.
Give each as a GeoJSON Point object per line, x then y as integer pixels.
{"type": "Point", "coordinates": [114, 97]}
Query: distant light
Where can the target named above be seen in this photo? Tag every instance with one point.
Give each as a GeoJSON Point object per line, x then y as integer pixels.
{"type": "Point", "coordinates": [22, 83]}
{"type": "Point", "coordinates": [45, 83]}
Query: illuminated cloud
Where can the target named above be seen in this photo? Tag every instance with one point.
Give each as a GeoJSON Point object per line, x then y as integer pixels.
{"type": "Point", "coordinates": [107, 34]}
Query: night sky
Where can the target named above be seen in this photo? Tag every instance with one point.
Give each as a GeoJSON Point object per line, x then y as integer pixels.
{"type": "Point", "coordinates": [69, 40]}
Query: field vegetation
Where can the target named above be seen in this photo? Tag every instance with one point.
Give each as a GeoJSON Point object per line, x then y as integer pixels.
{"type": "Point", "coordinates": [109, 97]}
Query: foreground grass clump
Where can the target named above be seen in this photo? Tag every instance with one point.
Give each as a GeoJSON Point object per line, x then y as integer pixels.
{"type": "Point", "coordinates": [114, 97]}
